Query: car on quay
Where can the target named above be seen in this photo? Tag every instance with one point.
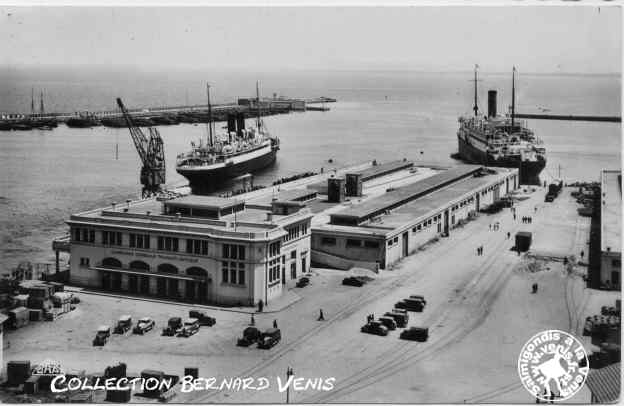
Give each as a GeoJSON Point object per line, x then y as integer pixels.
{"type": "Point", "coordinates": [415, 334]}
{"type": "Point", "coordinates": [190, 327]}
{"type": "Point", "coordinates": [173, 325]}
{"type": "Point", "coordinates": [102, 335]}
{"type": "Point", "coordinates": [375, 327]}
{"type": "Point", "coordinates": [204, 320]}
{"type": "Point", "coordinates": [400, 318]}
{"type": "Point", "coordinates": [250, 335]}
{"type": "Point", "coordinates": [419, 297]}
{"type": "Point", "coordinates": [411, 305]}
{"type": "Point", "coordinates": [388, 322]}
{"type": "Point", "coordinates": [353, 281]}
{"type": "Point", "coordinates": [144, 325]}
{"type": "Point", "coordinates": [124, 324]}
{"type": "Point", "coordinates": [303, 282]}
{"type": "Point", "coordinates": [269, 338]}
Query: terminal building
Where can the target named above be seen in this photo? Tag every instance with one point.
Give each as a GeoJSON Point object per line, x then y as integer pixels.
{"type": "Point", "coordinates": [199, 249]}
{"type": "Point", "coordinates": [611, 228]}
{"type": "Point", "coordinates": [379, 231]}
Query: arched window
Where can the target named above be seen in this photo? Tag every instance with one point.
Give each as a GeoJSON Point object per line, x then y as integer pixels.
{"type": "Point", "coordinates": [111, 262]}
{"type": "Point", "coordinates": [167, 268]}
{"type": "Point", "coordinates": [139, 266]}
{"type": "Point", "coordinates": [197, 271]}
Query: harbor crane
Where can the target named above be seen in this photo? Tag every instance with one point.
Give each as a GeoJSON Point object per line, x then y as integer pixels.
{"type": "Point", "coordinates": [152, 153]}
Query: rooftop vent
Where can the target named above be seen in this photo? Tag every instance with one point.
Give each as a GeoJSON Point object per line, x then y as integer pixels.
{"type": "Point", "coordinates": [269, 217]}
{"type": "Point", "coordinates": [128, 202]}
{"type": "Point", "coordinates": [148, 212]}
{"type": "Point", "coordinates": [113, 204]}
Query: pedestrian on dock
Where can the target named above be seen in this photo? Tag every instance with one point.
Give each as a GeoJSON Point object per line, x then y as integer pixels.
{"type": "Point", "coordinates": [582, 254]}
{"type": "Point", "coordinates": [274, 323]}
{"type": "Point", "coordinates": [490, 227]}
{"type": "Point", "coordinates": [253, 321]}
{"type": "Point", "coordinates": [482, 250]}
{"type": "Point", "coordinates": [260, 305]}
{"type": "Point", "coordinates": [508, 235]}
{"type": "Point", "coordinates": [321, 316]}
{"type": "Point", "coordinates": [514, 215]}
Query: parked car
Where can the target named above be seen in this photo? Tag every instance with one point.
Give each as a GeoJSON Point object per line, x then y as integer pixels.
{"type": "Point", "coordinates": [190, 327]}
{"type": "Point", "coordinates": [173, 325]}
{"type": "Point", "coordinates": [102, 335]}
{"type": "Point", "coordinates": [353, 281]}
{"type": "Point", "coordinates": [123, 324]}
{"type": "Point", "coordinates": [250, 336]}
{"type": "Point", "coordinates": [204, 320]}
{"type": "Point", "coordinates": [419, 297]}
{"type": "Point", "coordinates": [400, 318]}
{"type": "Point", "coordinates": [144, 325]}
{"type": "Point", "coordinates": [375, 327]}
{"type": "Point", "coordinates": [303, 282]}
{"type": "Point", "coordinates": [411, 305]}
{"type": "Point", "coordinates": [269, 338]}
{"type": "Point", "coordinates": [388, 322]}
{"type": "Point", "coordinates": [415, 334]}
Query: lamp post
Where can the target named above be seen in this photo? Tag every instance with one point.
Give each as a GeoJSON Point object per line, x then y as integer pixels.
{"type": "Point", "coordinates": [289, 373]}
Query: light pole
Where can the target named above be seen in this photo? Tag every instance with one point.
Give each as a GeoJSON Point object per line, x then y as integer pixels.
{"type": "Point", "coordinates": [289, 373]}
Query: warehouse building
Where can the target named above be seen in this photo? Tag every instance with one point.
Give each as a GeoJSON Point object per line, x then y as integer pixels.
{"type": "Point", "coordinates": [199, 249]}
{"type": "Point", "coordinates": [379, 231]}
{"type": "Point", "coordinates": [611, 228]}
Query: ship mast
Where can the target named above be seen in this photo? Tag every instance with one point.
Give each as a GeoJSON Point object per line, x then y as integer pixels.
{"type": "Point", "coordinates": [210, 138]}
{"type": "Point", "coordinates": [475, 108]}
{"type": "Point", "coordinates": [32, 100]}
{"type": "Point", "coordinates": [258, 104]}
{"type": "Point", "coordinates": [513, 96]}
{"type": "Point", "coordinates": [41, 109]}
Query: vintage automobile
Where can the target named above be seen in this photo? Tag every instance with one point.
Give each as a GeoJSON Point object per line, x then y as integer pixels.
{"type": "Point", "coordinates": [123, 324]}
{"type": "Point", "coordinates": [353, 281]}
{"type": "Point", "coordinates": [269, 338]}
{"type": "Point", "coordinates": [144, 325]}
{"type": "Point", "coordinates": [375, 327]}
{"type": "Point", "coordinates": [190, 327]}
{"type": "Point", "coordinates": [400, 318]}
{"type": "Point", "coordinates": [173, 325]}
{"type": "Point", "coordinates": [102, 335]}
{"type": "Point", "coordinates": [419, 297]}
{"type": "Point", "coordinates": [388, 322]}
{"type": "Point", "coordinates": [415, 334]}
{"type": "Point", "coordinates": [303, 282]}
{"type": "Point", "coordinates": [250, 336]}
{"type": "Point", "coordinates": [411, 305]}
{"type": "Point", "coordinates": [204, 320]}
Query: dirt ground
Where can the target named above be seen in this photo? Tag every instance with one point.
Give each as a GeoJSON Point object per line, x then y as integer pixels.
{"type": "Point", "coordinates": [480, 312]}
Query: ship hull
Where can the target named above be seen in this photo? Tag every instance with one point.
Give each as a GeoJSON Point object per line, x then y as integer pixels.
{"type": "Point", "coordinates": [529, 170]}
{"type": "Point", "coordinates": [203, 181]}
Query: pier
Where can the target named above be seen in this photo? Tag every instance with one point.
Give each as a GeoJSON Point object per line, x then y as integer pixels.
{"type": "Point", "coordinates": [610, 119]}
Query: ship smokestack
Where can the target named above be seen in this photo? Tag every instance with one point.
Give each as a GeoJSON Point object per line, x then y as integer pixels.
{"type": "Point", "coordinates": [491, 103]}
{"type": "Point", "coordinates": [231, 123]}
{"type": "Point", "coordinates": [240, 124]}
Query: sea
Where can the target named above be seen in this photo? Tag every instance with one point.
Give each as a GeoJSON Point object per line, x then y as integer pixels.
{"type": "Point", "coordinates": [381, 115]}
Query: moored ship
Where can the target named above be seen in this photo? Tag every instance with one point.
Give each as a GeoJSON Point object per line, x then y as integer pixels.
{"type": "Point", "coordinates": [225, 156]}
{"type": "Point", "coordinates": [497, 140]}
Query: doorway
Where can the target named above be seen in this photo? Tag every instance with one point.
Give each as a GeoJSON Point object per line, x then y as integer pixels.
{"type": "Point", "coordinates": [133, 283]}
{"type": "Point", "coordinates": [405, 243]}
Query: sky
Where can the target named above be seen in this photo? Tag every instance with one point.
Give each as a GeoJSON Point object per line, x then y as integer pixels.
{"type": "Point", "coordinates": [578, 39]}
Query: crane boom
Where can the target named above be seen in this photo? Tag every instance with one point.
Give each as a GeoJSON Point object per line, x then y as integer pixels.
{"type": "Point", "coordinates": [151, 152]}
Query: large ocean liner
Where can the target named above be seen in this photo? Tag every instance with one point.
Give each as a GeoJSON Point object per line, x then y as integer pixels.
{"type": "Point", "coordinates": [497, 140]}
{"type": "Point", "coordinates": [224, 156]}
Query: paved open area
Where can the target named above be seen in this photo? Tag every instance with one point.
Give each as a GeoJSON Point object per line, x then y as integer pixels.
{"type": "Point", "coordinates": [480, 311]}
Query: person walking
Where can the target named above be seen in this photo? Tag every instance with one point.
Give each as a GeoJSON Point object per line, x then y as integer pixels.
{"type": "Point", "coordinates": [274, 323]}
{"type": "Point", "coordinates": [260, 306]}
{"type": "Point", "coordinates": [582, 254]}
{"type": "Point", "coordinates": [321, 316]}
{"type": "Point", "coordinates": [514, 215]}
{"type": "Point", "coordinates": [253, 320]}
{"type": "Point", "coordinates": [508, 235]}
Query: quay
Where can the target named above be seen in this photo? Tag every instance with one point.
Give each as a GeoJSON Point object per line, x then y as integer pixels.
{"type": "Point", "coordinates": [609, 119]}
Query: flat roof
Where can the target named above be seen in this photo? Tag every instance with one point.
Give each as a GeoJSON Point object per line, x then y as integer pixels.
{"type": "Point", "coordinates": [382, 169]}
{"type": "Point", "coordinates": [420, 207]}
{"type": "Point", "coordinates": [611, 210]}
{"type": "Point", "coordinates": [289, 195]}
{"type": "Point", "coordinates": [403, 195]}
{"type": "Point", "coordinates": [203, 202]}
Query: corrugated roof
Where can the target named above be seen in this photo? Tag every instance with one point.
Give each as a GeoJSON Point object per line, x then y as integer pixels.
{"type": "Point", "coordinates": [604, 383]}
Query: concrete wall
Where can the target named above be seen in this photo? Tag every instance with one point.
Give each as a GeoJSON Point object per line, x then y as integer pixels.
{"type": "Point", "coordinates": [610, 269]}
{"type": "Point", "coordinates": [332, 261]}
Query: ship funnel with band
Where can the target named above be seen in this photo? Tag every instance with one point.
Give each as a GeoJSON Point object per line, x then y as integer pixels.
{"type": "Point", "coordinates": [491, 103]}
{"type": "Point", "coordinates": [240, 124]}
{"type": "Point", "coordinates": [231, 123]}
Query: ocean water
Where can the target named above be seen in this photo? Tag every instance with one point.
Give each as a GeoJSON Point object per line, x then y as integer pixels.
{"type": "Point", "coordinates": [47, 175]}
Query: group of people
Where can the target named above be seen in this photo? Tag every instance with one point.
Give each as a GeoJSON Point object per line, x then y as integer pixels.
{"type": "Point", "coordinates": [370, 318]}
{"type": "Point", "coordinates": [527, 219]}
{"type": "Point", "coordinates": [495, 226]}
{"type": "Point", "coordinates": [480, 250]}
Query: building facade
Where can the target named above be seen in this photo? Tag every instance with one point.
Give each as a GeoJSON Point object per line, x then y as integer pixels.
{"type": "Point", "coordinates": [196, 248]}
{"type": "Point", "coordinates": [611, 229]}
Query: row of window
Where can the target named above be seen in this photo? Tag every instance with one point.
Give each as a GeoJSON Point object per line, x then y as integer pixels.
{"type": "Point", "coordinates": [84, 234]}
{"type": "Point", "coordinates": [427, 223]}
{"type": "Point", "coordinates": [139, 241]}
{"type": "Point", "coordinates": [274, 248]}
{"type": "Point", "coordinates": [274, 270]}
{"type": "Point", "coordinates": [393, 241]}
{"type": "Point", "coordinates": [233, 272]}
{"type": "Point", "coordinates": [296, 231]}
{"type": "Point", "coordinates": [168, 243]}
{"type": "Point", "coordinates": [462, 203]}
{"type": "Point", "coordinates": [111, 238]}
{"type": "Point", "coordinates": [233, 251]}
{"type": "Point", "coordinates": [199, 247]}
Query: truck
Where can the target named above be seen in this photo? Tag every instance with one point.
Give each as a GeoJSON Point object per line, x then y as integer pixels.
{"type": "Point", "coordinates": [190, 327]}
{"type": "Point", "coordinates": [269, 338]}
{"type": "Point", "coordinates": [250, 336]}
